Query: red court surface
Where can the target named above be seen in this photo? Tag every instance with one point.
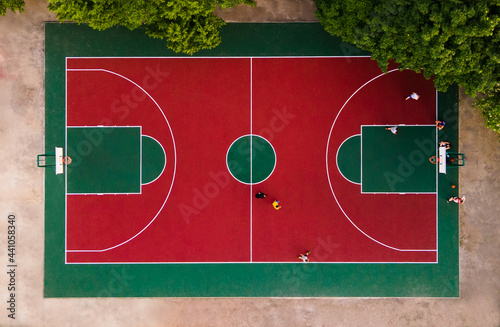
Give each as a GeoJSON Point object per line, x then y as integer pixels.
{"type": "Point", "coordinates": [195, 212]}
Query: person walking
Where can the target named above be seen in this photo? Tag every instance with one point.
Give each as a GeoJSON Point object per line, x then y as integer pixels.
{"type": "Point", "coordinates": [260, 195]}
{"type": "Point", "coordinates": [440, 124]}
{"type": "Point", "coordinates": [445, 144]}
{"type": "Point", "coordinates": [393, 129]}
{"type": "Point", "coordinates": [457, 199]}
{"type": "Point", "coordinates": [304, 257]}
{"type": "Point", "coordinates": [413, 96]}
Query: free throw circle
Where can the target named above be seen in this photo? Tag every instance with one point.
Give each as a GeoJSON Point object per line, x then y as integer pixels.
{"type": "Point", "coordinates": [251, 159]}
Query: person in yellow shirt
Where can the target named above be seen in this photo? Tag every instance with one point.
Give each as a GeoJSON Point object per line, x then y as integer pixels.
{"type": "Point", "coordinates": [276, 205]}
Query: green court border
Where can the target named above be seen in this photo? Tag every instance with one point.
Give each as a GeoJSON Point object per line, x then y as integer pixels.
{"type": "Point", "coordinates": [230, 280]}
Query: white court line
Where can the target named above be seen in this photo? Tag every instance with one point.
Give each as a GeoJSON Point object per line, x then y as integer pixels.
{"type": "Point", "coordinates": [251, 168]}
{"type": "Point", "coordinates": [343, 57]}
{"type": "Point", "coordinates": [403, 125]}
{"type": "Point", "coordinates": [175, 156]}
{"type": "Point", "coordinates": [247, 262]}
{"type": "Point", "coordinates": [66, 154]}
{"type": "Point", "coordinates": [230, 57]}
{"type": "Point", "coordinates": [437, 185]}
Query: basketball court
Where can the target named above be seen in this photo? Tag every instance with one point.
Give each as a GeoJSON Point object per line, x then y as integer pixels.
{"type": "Point", "coordinates": [162, 155]}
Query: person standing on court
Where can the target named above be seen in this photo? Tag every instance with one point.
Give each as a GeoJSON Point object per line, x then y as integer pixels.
{"type": "Point", "coordinates": [413, 96]}
{"type": "Point", "coordinates": [276, 205]}
{"type": "Point", "coordinates": [440, 124]}
{"type": "Point", "coordinates": [260, 195]}
{"type": "Point", "coordinates": [304, 257]}
{"type": "Point", "coordinates": [445, 144]}
{"type": "Point", "coordinates": [394, 129]}
{"type": "Point", "coordinates": [457, 199]}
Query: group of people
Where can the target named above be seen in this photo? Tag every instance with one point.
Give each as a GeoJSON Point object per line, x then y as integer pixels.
{"type": "Point", "coordinates": [456, 199]}
{"type": "Point", "coordinates": [262, 195]}
{"type": "Point", "coordinates": [440, 124]}
{"type": "Point", "coordinates": [415, 96]}
{"type": "Point", "coordinates": [276, 205]}
{"type": "Point", "coordinates": [394, 129]}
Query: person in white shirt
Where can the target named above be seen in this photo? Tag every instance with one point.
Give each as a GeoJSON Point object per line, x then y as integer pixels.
{"type": "Point", "coordinates": [304, 257]}
{"type": "Point", "coordinates": [394, 129]}
{"type": "Point", "coordinates": [413, 96]}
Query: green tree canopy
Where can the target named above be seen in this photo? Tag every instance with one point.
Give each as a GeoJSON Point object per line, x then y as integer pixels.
{"type": "Point", "coordinates": [456, 41]}
{"type": "Point", "coordinates": [12, 5]}
{"type": "Point", "coordinates": [188, 26]}
{"type": "Point", "coordinates": [490, 105]}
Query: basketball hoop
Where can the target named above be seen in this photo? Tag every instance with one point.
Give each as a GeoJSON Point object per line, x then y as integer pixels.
{"type": "Point", "coordinates": [67, 160]}
{"type": "Point", "coordinates": [434, 160]}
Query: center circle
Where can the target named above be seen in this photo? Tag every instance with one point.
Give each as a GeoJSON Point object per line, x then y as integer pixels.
{"type": "Point", "coordinates": [251, 159]}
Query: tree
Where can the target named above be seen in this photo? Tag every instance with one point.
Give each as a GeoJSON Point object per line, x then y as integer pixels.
{"type": "Point", "coordinates": [188, 26]}
{"type": "Point", "coordinates": [456, 41]}
{"type": "Point", "coordinates": [12, 5]}
{"type": "Point", "coordinates": [490, 105]}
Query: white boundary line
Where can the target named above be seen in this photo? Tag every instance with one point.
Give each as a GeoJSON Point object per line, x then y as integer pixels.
{"type": "Point", "coordinates": [251, 168]}
{"type": "Point", "coordinates": [361, 155]}
{"type": "Point", "coordinates": [173, 143]}
{"type": "Point", "coordinates": [175, 162]}
{"type": "Point", "coordinates": [248, 263]}
{"type": "Point", "coordinates": [66, 154]}
{"type": "Point", "coordinates": [230, 57]}
{"type": "Point", "coordinates": [330, 182]}
{"type": "Point", "coordinates": [404, 125]}
{"type": "Point", "coordinates": [437, 184]}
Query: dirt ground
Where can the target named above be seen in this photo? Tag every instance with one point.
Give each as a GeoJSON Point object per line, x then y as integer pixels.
{"type": "Point", "coordinates": [22, 194]}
